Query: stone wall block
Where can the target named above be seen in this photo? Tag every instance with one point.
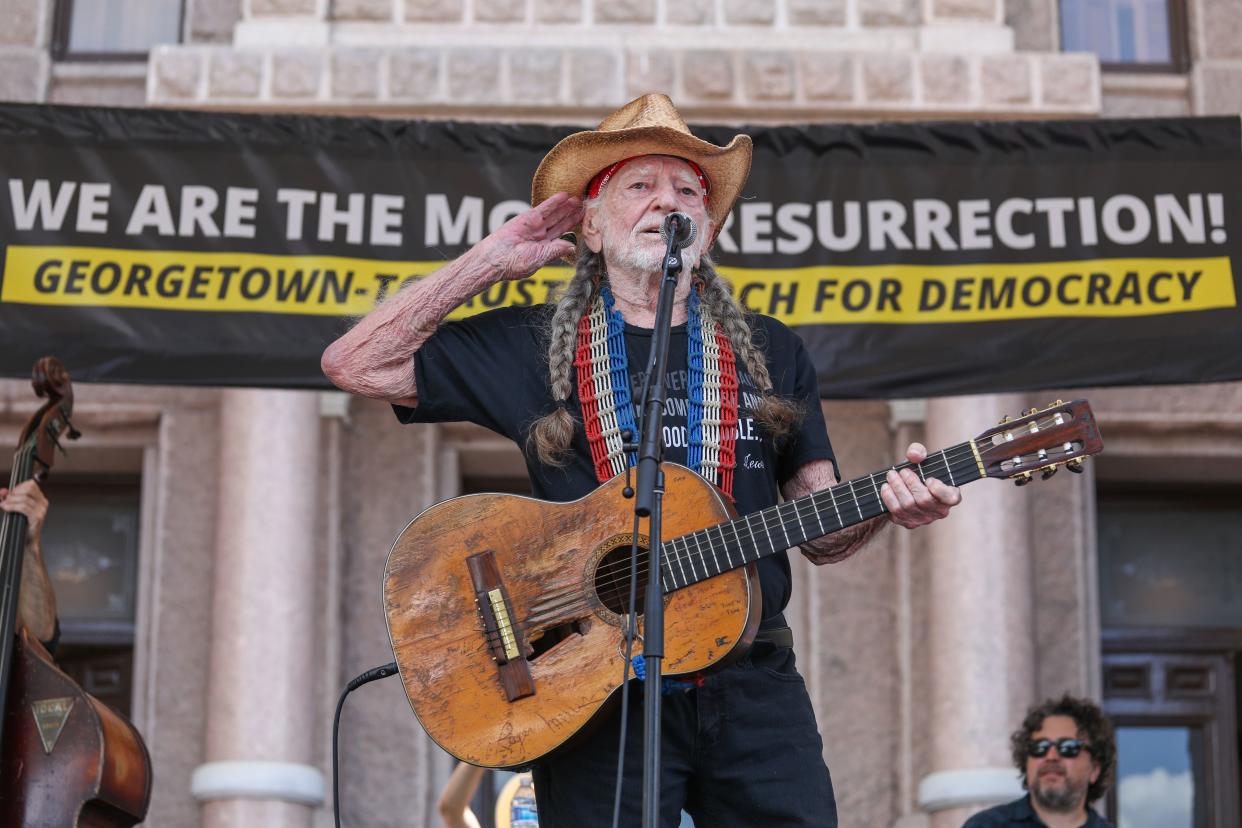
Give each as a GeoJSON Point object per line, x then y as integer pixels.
{"type": "Point", "coordinates": [21, 22]}
{"type": "Point", "coordinates": [624, 11]}
{"type": "Point", "coordinates": [594, 78]}
{"type": "Point", "coordinates": [816, 12]}
{"type": "Point", "coordinates": [690, 12]}
{"type": "Point", "coordinates": [296, 74]}
{"type": "Point", "coordinates": [434, 11]}
{"type": "Point", "coordinates": [1218, 89]}
{"type": "Point", "coordinates": [707, 74]}
{"type": "Point", "coordinates": [364, 9]}
{"type": "Point", "coordinates": [474, 76]}
{"type": "Point", "coordinates": [414, 74]}
{"type": "Point", "coordinates": [126, 92]}
{"type": "Point", "coordinates": [768, 76]}
{"type": "Point", "coordinates": [211, 22]}
{"type": "Point", "coordinates": [1222, 28]}
{"type": "Point", "coordinates": [283, 8]}
{"type": "Point", "coordinates": [234, 74]}
{"type": "Point", "coordinates": [535, 76]}
{"type": "Point", "coordinates": [355, 74]}
{"type": "Point", "coordinates": [1034, 24]}
{"type": "Point", "coordinates": [1070, 79]}
{"type": "Point", "coordinates": [887, 78]}
{"type": "Point", "coordinates": [22, 74]}
{"type": "Point", "coordinates": [177, 73]}
{"type": "Point", "coordinates": [945, 79]}
{"type": "Point", "coordinates": [500, 11]}
{"type": "Point", "coordinates": [558, 11]}
{"type": "Point", "coordinates": [1005, 79]}
{"type": "Point", "coordinates": [750, 12]}
{"type": "Point", "coordinates": [649, 72]}
{"type": "Point", "coordinates": [827, 76]}
{"type": "Point", "coordinates": [985, 10]}
{"type": "Point", "coordinates": [888, 12]}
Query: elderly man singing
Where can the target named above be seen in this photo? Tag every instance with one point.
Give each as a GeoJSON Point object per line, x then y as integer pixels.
{"type": "Point", "coordinates": [740, 746]}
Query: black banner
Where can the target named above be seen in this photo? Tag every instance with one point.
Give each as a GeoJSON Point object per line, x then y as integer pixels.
{"type": "Point", "coordinates": [212, 249]}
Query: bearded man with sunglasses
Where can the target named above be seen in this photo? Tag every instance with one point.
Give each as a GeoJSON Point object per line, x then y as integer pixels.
{"type": "Point", "coordinates": [1066, 754]}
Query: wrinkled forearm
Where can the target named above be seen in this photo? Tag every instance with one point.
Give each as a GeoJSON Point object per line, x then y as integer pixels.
{"type": "Point", "coordinates": [36, 602]}
{"type": "Point", "coordinates": [844, 544]}
{"type": "Point", "coordinates": [373, 359]}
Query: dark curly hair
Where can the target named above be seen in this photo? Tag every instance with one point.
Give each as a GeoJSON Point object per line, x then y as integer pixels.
{"type": "Point", "coordinates": [1092, 724]}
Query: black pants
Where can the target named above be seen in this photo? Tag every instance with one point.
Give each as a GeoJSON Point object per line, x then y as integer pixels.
{"type": "Point", "coordinates": [742, 750]}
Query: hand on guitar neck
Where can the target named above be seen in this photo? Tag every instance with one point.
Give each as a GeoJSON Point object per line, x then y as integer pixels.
{"type": "Point", "coordinates": [37, 601]}
{"type": "Point", "coordinates": [909, 501]}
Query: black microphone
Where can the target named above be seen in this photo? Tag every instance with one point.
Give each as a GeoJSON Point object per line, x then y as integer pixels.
{"type": "Point", "coordinates": [681, 227]}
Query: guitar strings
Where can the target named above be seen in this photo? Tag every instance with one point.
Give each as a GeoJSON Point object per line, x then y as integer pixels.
{"type": "Point", "coordinates": [956, 459]}
{"type": "Point", "coordinates": [960, 459]}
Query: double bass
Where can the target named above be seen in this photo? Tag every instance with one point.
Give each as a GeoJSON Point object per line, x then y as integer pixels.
{"type": "Point", "coordinates": [67, 760]}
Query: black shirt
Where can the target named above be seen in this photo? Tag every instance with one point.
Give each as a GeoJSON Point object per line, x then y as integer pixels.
{"type": "Point", "coordinates": [492, 369]}
{"type": "Point", "coordinates": [1020, 814]}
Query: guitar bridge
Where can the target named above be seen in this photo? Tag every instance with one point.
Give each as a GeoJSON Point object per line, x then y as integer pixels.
{"type": "Point", "coordinates": [504, 640]}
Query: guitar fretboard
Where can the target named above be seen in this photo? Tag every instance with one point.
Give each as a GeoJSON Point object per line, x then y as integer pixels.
{"type": "Point", "coordinates": [709, 552]}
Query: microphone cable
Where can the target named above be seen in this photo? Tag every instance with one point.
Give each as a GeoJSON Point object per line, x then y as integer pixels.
{"type": "Point", "coordinates": [374, 674]}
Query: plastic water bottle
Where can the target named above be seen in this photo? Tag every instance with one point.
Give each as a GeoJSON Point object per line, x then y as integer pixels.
{"type": "Point", "coordinates": [522, 810]}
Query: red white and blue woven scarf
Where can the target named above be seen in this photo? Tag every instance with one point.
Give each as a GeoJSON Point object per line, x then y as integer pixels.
{"type": "Point", "coordinates": [608, 407]}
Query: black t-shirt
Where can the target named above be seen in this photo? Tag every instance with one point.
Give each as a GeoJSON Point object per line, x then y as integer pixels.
{"type": "Point", "coordinates": [491, 369]}
{"type": "Point", "coordinates": [1020, 814]}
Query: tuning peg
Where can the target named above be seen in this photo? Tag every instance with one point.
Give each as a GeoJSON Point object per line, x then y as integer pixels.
{"type": "Point", "coordinates": [1030, 411]}
{"type": "Point", "coordinates": [1074, 465]}
{"type": "Point", "coordinates": [1022, 479]}
{"type": "Point", "coordinates": [1048, 471]}
{"type": "Point", "coordinates": [1004, 419]}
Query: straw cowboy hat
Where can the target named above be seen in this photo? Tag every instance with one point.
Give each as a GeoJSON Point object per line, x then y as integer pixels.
{"type": "Point", "coordinates": [649, 125]}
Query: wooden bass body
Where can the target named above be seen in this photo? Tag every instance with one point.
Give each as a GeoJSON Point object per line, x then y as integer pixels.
{"type": "Point", "coordinates": [563, 576]}
{"type": "Point", "coordinates": [69, 760]}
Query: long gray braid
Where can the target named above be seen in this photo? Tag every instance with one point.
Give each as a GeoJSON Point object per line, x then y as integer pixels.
{"type": "Point", "coordinates": [551, 435]}
{"type": "Point", "coordinates": [776, 415]}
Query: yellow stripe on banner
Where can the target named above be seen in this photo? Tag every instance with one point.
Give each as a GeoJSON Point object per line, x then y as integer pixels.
{"type": "Point", "coordinates": [260, 283]}
{"type": "Point", "coordinates": [823, 295]}
{"type": "Point", "coordinates": [920, 294]}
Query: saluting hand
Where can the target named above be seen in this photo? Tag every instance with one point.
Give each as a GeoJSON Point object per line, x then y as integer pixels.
{"type": "Point", "coordinates": [910, 501]}
{"type": "Point", "coordinates": [529, 241]}
{"type": "Point", "coordinates": [28, 499]}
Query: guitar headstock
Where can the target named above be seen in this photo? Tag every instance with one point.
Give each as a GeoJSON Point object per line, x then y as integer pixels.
{"type": "Point", "coordinates": [1041, 440]}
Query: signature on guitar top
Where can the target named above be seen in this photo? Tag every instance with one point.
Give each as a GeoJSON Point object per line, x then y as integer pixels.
{"type": "Point", "coordinates": [506, 613]}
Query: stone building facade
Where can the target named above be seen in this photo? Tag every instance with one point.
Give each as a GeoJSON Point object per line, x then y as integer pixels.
{"type": "Point", "coordinates": [261, 548]}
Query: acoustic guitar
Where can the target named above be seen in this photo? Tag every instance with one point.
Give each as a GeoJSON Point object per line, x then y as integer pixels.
{"type": "Point", "coordinates": [506, 613]}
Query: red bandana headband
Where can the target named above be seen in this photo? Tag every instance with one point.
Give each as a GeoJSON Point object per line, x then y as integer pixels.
{"type": "Point", "coordinates": [598, 182]}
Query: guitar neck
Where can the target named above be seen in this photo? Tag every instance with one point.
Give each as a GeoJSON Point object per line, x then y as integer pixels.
{"type": "Point", "coordinates": [708, 552]}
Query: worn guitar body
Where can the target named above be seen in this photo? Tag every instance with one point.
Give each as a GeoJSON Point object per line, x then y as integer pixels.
{"type": "Point", "coordinates": [564, 572]}
{"type": "Point", "coordinates": [504, 611]}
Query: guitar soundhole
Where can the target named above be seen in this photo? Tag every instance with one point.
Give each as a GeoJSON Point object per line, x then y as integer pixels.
{"type": "Point", "coordinates": [612, 579]}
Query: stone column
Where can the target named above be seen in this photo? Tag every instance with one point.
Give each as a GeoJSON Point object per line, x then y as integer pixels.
{"type": "Point", "coordinates": [261, 705]}
{"type": "Point", "coordinates": [981, 632]}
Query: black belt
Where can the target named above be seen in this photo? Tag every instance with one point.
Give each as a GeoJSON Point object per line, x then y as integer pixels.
{"type": "Point", "coordinates": [774, 633]}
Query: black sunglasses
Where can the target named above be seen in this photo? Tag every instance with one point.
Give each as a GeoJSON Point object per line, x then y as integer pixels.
{"type": "Point", "coordinates": [1067, 748]}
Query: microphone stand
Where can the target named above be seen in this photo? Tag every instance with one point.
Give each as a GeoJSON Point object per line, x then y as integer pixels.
{"type": "Point", "coordinates": [649, 494]}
